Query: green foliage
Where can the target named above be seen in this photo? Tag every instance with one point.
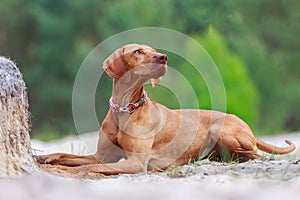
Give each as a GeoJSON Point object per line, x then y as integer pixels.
{"type": "Point", "coordinates": [241, 95]}
{"type": "Point", "coordinates": [256, 47]}
{"type": "Point", "coordinates": [270, 48]}
{"type": "Point", "coordinates": [47, 134]}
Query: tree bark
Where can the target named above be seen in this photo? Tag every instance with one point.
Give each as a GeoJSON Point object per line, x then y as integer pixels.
{"type": "Point", "coordinates": [15, 150]}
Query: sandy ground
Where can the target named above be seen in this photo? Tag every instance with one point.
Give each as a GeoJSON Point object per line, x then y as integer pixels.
{"type": "Point", "coordinates": [274, 179]}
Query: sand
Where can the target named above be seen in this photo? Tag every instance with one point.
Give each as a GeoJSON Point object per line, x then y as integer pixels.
{"type": "Point", "coordinates": [274, 178]}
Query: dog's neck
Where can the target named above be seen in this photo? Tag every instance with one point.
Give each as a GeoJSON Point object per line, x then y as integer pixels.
{"type": "Point", "coordinates": [124, 93]}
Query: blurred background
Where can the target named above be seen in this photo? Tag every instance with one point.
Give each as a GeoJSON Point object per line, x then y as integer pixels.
{"type": "Point", "coordinates": [255, 44]}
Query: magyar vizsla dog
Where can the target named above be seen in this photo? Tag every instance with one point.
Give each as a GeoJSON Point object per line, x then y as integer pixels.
{"type": "Point", "coordinates": [150, 136]}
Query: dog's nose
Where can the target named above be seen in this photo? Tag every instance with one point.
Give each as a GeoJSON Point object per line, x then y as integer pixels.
{"type": "Point", "coordinates": [161, 58]}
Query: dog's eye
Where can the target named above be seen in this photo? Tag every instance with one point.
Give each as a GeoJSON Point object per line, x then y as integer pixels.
{"type": "Point", "coordinates": [137, 51]}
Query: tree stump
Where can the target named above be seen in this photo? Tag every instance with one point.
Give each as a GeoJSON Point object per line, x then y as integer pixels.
{"type": "Point", "coordinates": [15, 150]}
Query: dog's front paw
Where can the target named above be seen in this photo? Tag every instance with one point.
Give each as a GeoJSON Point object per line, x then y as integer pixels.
{"type": "Point", "coordinates": [40, 159]}
{"type": "Point", "coordinates": [49, 159]}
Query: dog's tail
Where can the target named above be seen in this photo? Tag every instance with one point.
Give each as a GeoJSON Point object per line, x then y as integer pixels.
{"type": "Point", "coordinates": [274, 149]}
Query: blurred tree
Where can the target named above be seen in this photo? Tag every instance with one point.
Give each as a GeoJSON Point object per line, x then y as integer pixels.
{"type": "Point", "coordinates": [17, 32]}
{"type": "Point", "coordinates": [241, 96]}
{"type": "Point", "coordinates": [50, 38]}
{"type": "Point", "coordinates": [273, 59]}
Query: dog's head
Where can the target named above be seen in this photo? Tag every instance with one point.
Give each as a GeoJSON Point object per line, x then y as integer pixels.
{"type": "Point", "coordinates": [141, 60]}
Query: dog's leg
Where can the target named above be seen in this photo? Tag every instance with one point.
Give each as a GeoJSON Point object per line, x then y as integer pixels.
{"type": "Point", "coordinates": [237, 138]}
{"type": "Point", "coordinates": [137, 151]}
{"type": "Point", "coordinates": [234, 138]}
{"type": "Point", "coordinates": [66, 159]}
{"type": "Point", "coordinates": [130, 166]}
{"type": "Point", "coordinates": [106, 152]}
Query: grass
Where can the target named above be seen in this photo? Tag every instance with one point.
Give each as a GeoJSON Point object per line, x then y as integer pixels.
{"type": "Point", "coordinates": [188, 169]}
{"type": "Point", "coordinates": [182, 171]}
{"type": "Point", "coordinates": [48, 134]}
{"type": "Point", "coordinates": [272, 167]}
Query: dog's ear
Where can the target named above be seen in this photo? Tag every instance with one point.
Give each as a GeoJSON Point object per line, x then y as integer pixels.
{"type": "Point", "coordinates": [115, 65]}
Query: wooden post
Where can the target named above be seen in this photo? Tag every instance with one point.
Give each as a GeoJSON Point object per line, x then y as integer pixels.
{"type": "Point", "coordinates": [15, 150]}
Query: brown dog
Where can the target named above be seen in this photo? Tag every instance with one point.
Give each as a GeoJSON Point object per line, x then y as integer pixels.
{"type": "Point", "coordinates": [151, 136]}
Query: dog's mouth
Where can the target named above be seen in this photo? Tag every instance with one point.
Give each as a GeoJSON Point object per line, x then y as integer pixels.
{"type": "Point", "coordinates": [162, 62]}
{"type": "Point", "coordinates": [154, 70]}
{"type": "Point", "coordinates": [161, 71]}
